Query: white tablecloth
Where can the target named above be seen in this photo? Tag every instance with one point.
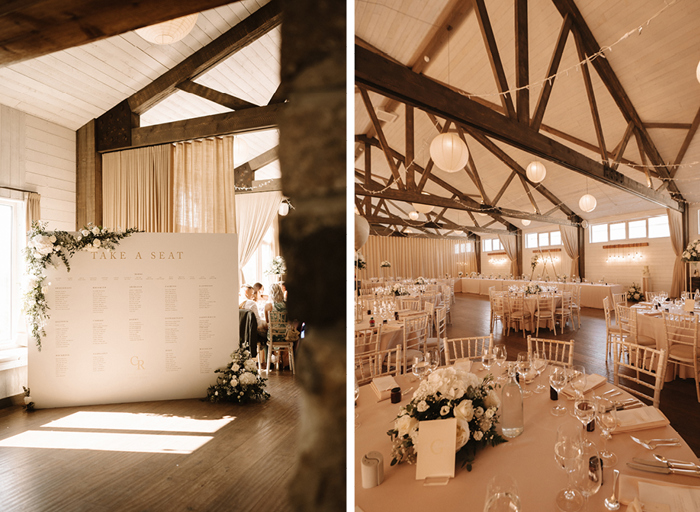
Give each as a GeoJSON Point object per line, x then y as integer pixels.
{"type": "Point", "coordinates": [529, 459]}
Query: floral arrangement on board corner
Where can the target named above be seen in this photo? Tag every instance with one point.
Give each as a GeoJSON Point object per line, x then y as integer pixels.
{"type": "Point", "coordinates": [360, 262]}
{"type": "Point", "coordinates": [398, 289]}
{"type": "Point", "coordinates": [277, 267]}
{"type": "Point", "coordinates": [48, 248]}
{"type": "Point", "coordinates": [385, 264]}
{"type": "Point", "coordinates": [532, 288]}
{"type": "Point", "coordinates": [449, 393]}
{"type": "Point", "coordinates": [420, 281]}
{"type": "Point", "coordinates": [239, 382]}
{"type": "Point", "coordinates": [635, 293]}
{"type": "Point", "coordinates": [692, 252]}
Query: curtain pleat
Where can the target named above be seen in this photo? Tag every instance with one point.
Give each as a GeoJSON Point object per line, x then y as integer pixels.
{"type": "Point", "coordinates": [254, 214]}
{"type": "Point", "coordinates": [510, 245]}
{"type": "Point", "coordinates": [33, 208]}
{"type": "Point", "coordinates": [675, 224]}
{"type": "Point", "coordinates": [569, 238]}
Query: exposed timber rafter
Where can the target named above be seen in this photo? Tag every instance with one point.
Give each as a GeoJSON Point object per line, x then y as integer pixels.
{"type": "Point", "coordinates": [398, 221]}
{"type": "Point", "coordinates": [401, 83]}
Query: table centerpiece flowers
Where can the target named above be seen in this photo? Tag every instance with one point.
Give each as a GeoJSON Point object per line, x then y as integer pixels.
{"type": "Point", "coordinates": [385, 264]}
{"type": "Point", "coordinates": [239, 382]}
{"type": "Point", "coordinates": [398, 289]}
{"type": "Point", "coordinates": [532, 288]}
{"type": "Point", "coordinates": [634, 293]}
{"type": "Point", "coordinates": [278, 267]}
{"type": "Point", "coordinates": [450, 393]}
{"type": "Point", "coordinates": [421, 281]}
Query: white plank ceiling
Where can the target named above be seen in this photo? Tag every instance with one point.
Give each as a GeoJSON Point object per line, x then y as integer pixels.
{"type": "Point", "coordinates": [73, 86]}
{"type": "Point", "coordinates": [656, 68]}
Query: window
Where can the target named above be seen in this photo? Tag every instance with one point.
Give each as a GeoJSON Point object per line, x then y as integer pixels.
{"type": "Point", "coordinates": [487, 245]}
{"type": "Point", "coordinates": [497, 245]}
{"type": "Point", "coordinates": [617, 231]}
{"type": "Point", "coordinates": [530, 240]}
{"type": "Point", "coordinates": [638, 229]}
{"type": "Point", "coordinates": [260, 261]}
{"type": "Point", "coordinates": [469, 247]}
{"type": "Point", "coordinates": [456, 248]}
{"type": "Point", "coordinates": [599, 233]}
{"type": "Point", "coordinates": [555, 238]}
{"type": "Point", "coordinates": [658, 227]}
{"type": "Point", "coordinates": [544, 239]}
{"type": "Point", "coordinates": [11, 244]}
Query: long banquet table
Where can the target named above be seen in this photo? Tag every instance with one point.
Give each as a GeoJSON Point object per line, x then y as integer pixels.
{"type": "Point", "coordinates": [529, 459]}
{"type": "Point", "coordinates": [592, 294]}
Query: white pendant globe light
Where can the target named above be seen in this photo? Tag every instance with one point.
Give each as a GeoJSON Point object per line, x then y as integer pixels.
{"type": "Point", "coordinates": [361, 231]}
{"type": "Point", "coordinates": [536, 172]}
{"type": "Point", "coordinates": [423, 208]}
{"type": "Point", "coordinates": [169, 32]}
{"type": "Point", "coordinates": [525, 222]}
{"type": "Point", "coordinates": [449, 152]}
{"type": "Point", "coordinates": [587, 203]}
{"type": "Point", "coordinates": [413, 215]}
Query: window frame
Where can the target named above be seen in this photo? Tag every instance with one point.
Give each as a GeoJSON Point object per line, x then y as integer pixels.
{"type": "Point", "coordinates": [18, 243]}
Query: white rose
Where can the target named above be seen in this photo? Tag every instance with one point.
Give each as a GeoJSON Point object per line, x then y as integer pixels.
{"type": "Point", "coordinates": [479, 412]}
{"type": "Point", "coordinates": [405, 424]}
{"type": "Point", "coordinates": [636, 296]}
{"type": "Point", "coordinates": [85, 232]}
{"type": "Point", "coordinates": [422, 406]}
{"type": "Point", "coordinates": [485, 424]}
{"type": "Point", "coordinates": [96, 243]}
{"type": "Point", "coordinates": [478, 435]}
{"type": "Point", "coordinates": [490, 412]}
{"type": "Point", "coordinates": [251, 365]}
{"type": "Point", "coordinates": [95, 230]}
{"type": "Point", "coordinates": [216, 393]}
{"type": "Point", "coordinates": [53, 239]}
{"type": "Point", "coordinates": [465, 410]}
{"type": "Point", "coordinates": [235, 367]}
{"type": "Point", "coordinates": [444, 410]}
{"type": "Point", "coordinates": [80, 237]}
{"type": "Point", "coordinates": [462, 433]}
{"type": "Point", "coordinates": [36, 255]}
{"type": "Point", "coordinates": [27, 399]}
{"type": "Point", "coordinates": [492, 400]}
{"type": "Point", "coordinates": [234, 382]}
{"type": "Point", "coordinates": [44, 289]}
{"type": "Point", "coordinates": [247, 379]}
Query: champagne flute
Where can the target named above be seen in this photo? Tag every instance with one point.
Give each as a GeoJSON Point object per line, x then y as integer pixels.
{"type": "Point", "coordinates": [578, 379]}
{"type": "Point", "coordinates": [539, 362]}
{"type": "Point", "coordinates": [502, 495]}
{"type": "Point", "coordinates": [588, 475]}
{"type": "Point", "coordinates": [606, 413]}
{"type": "Point", "coordinates": [557, 379]}
{"type": "Point", "coordinates": [524, 366]}
{"type": "Point", "coordinates": [584, 410]}
{"type": "Point", "coordinates": [500, 352]}
{"type": "Point", "coordinates": [568, 451]}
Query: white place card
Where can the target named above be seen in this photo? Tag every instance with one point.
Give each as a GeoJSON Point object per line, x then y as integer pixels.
{"type": "Point", "coordinates": [676, 499]}
{"type": "Point", "coordinates": [437, 441]}
{"type": "Point", "coordinates": [689, 305]}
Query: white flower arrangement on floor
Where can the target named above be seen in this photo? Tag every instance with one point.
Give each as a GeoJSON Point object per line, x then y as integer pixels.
{"type": "Point", "coordinates": [385, 264]}
{"type": "Point", "coordinates": [239, 382]}
{"type": "Point", "coordinates": [692, 252]}
{"type": "Point", "coordinates": [49, 248]}
{"type": "Point", "coordinates": [449, 393]}
{"type": "Point", "coordinates": [28, 402]}
{"type": "Point", "coordinates": [635, 293]}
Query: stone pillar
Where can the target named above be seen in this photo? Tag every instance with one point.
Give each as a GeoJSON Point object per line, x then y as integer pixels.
{"type": "Point", "coordinates": [313, 238]}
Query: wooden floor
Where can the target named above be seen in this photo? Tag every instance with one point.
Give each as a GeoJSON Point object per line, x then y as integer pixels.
{"type": "Point", "coordinates": [248, 464]}
{"type": "Point", "coordinates": [470, 317]}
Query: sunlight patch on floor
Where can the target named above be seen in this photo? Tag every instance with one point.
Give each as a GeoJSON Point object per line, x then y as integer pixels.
{"type": "Point", "coordinates": [141, 421]}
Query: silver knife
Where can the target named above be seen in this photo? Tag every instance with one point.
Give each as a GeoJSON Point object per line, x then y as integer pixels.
{"type": "Point", "coordinates": [669, 464]}
{"type": "Point", "coordinates": [663, 470]}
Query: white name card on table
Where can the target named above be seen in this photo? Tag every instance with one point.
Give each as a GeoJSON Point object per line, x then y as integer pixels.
{"type": "Point", "coordinates": [689, 305]}
{"type": "Point", "coordinates": [382, 386]}
{"type": "Point", "coordinates": [437, 440]}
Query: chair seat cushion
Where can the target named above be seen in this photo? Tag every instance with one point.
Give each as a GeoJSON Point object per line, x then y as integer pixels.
{"type": "Point", "coordinates": [681, 352]}
{"type": "Point", "coordinates": [644, 340]}
{"type": "Point", "coordinates": [435, 342]}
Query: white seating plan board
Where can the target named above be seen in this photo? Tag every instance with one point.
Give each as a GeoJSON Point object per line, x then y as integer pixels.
{"type": "Point", "coordinates": [150, 320]}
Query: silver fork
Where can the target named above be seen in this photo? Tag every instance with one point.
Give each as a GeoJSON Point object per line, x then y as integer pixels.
{"type": "Point", "coordinates": [651, 444]}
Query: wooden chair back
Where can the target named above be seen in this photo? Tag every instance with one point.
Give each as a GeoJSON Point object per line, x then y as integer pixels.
{"type": "Point", "coordinates": [556, 351]}
{"type": "Point", "coordinates": [467, 348]}
{"type": "Point", "coordinates": [377, 363]}
{"type": "Point", "coordinates": [639, 370]}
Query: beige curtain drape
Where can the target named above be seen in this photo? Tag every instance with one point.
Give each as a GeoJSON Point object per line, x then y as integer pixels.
{"type": "Point", "coordinates": [203, 186]}
{"type": "Point", "coordinates": [413, 257]}
{"type": "Point", "coordinates": [675, 225]}
{"type": "Point", "coordinates": [255, 212]}
{"type": "Point", "coordinates": [32, 208]}
{"type": "Point", "coordinates": [569, 238]}
{"type": "Point", "coordinates": [136, 189]}
{"type": "Point", "coordinates": [510, 245]}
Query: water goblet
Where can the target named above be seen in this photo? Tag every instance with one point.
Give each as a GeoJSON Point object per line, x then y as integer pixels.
{"type": "Point", "coordinates": [500, 352]}
{"type": "Point", "coordinates": [568, 450]}
{"type": "Point", "coordinates": [588, 475]}
{"type": "Point", "coordinates": [524, 366]}
{"type": "Point", "coordinates": [557, 379]}
{"type": "Point", "coordinates": [539, 363]}
{"type": "Point", "coordinates": [578, 379]}
{"type": "Point", "coordinates": [502, 495]}
{"type": "Point", "coordinates": [584, 410]}
{"type": "Point", "coordinates": [433, 358]}
{"type": "Point", "coordinates": [420, 366]}
{"type": "Point", "coordinates": [606, 414]}
{"type": "Point", "coordinates": [487, 360]}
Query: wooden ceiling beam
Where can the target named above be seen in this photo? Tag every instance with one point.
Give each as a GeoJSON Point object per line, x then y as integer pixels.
{"type": "Point", "coordinates": [220, 98]}
{"type": "Point", "coordinates": [609, 78]}
{"type": "Point", "coordinates": [474, 174]}
{"type": "Point", "coordinates": [398, 221]}
{"type": "Point", "coordinates": [482, 17]}
{"type": "Point", "coordinates": [551, 73]}
{"type": "Point", "coordinates": [236, 38]}
{"type": "Point", "coordinates": [529, 194]}
{"type": "Point", "coordinates": [620, 150]}
{"type": "Point", "coordinates": [522, 66]}
{"type": "Point", "coordinates": [503, 188]}
{"type": "Point", "coordinates": [643, 159]}
{"type": "Point", "coordinates": [30, 29]}
{"type": "Point", "coordinates": [410, 149]}
{"type": "Point", "coordinates": [402, 84]}
{"type": "Point", "coordinates": [670, 126]}
{"type": "Point", "coordinates": [686, 142]}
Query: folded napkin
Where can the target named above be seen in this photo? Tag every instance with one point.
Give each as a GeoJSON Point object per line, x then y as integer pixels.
{"type": "Point", "coordinates": [592, 381]}
{"type": "Point", "coordinates": [631, 487]}
{"type": "Point", "coordinates": [382, 386]}
{"type": "Point", "coordinates": [642, 418]}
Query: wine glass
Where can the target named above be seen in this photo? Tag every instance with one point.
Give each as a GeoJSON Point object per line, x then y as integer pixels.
{"type": "Point", "coordinates": [434, 359]}
{"type": "Point", "coordinates": [584, 410]}
{"type": "Point", "coordinates": [539, 363]}
{"type": "Point", "coordinates": [420, 366]}
{"type": "Point", "coordinates": [578, 379]}
{"type": "Point", "coordinates": [557, 379]}
{"type": "Point", "coordinates": [502, 495]}
{"type": "Point", "coordinates": [588, 475]}
{"type": "Point", "coordinates": [500, 352]}
{"type": "Point", "coordinates": [568, 449]}
{"type": "Point", "coordinates": [524, 366]}
{"type": "Point", "coordinates": [487, 360]}
{"type": "Point", "coordinates": [606, 413]}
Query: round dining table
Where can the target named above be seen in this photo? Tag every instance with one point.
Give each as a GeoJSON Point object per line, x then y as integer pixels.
{"type": "Point", "coordinates": [528, 459]}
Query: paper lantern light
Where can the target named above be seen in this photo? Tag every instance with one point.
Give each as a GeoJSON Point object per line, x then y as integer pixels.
{"type": "Point", "coordinates": [361, 231]}
{"type": "Point", "coordinates": [587, 203]}
{"type": "Point", "coordinates": [169, 32]}
{"type": "Point", "coordinates": [536, 172]}
{"type": "Point", "coordinates": [449, 152]}
{"type": "Point", "coordinates": [413, 215]}
{"type": "Point", "coordinates": [525, 222]}
{"type": "Point", "coordinates": [423, 208]}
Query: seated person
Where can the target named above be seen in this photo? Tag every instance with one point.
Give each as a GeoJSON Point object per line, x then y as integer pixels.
{"type": "Point", "coordinates": [248, 302]}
